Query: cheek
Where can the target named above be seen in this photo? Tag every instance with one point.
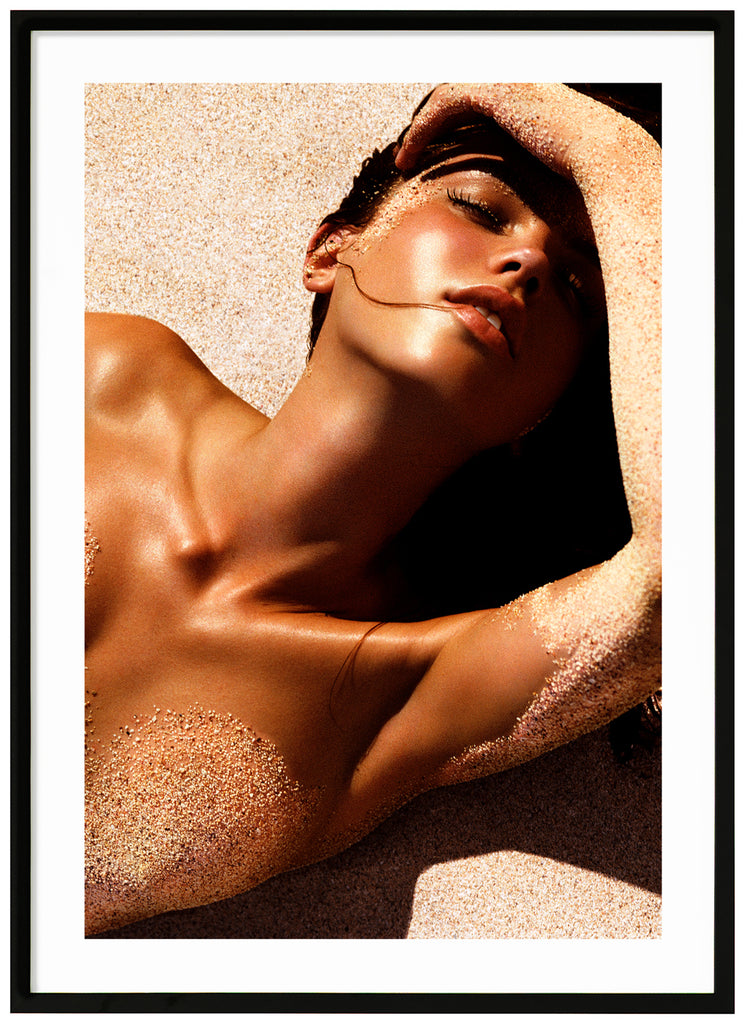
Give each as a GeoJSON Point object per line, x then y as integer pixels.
{"type": "Point", "coordinates": [560, 334]}
{"type": "Point", "coordinates": [550, 358]}
{"type": "Point", "coordinates": [417, 259]}
{"type": "Point", "coordinates": [557, 362]}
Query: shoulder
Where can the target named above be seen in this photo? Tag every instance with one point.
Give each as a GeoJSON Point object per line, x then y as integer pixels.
{"type": "Point", "coordinates": [127, 356]}
{"type": "Point", "coordinates": [118, 336]}
{"type": "Point", "coordinates": [100, 326]}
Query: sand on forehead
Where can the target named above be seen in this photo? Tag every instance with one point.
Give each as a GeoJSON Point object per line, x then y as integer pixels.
{"type": "Point", "coordinates": [200, 200]}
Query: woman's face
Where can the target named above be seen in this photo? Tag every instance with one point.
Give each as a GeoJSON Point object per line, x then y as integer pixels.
{"type": "Point", "coordinates": [512, 269]}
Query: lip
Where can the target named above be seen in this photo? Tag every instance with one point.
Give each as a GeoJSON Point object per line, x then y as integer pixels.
{"type": "Point", "coordinates": [497, 300]}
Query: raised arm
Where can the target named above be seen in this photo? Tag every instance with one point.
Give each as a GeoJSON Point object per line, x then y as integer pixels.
{"type": "Point", "coordinates": [617, 168]}
{"type": "Point", "coordinates": [512, 683]}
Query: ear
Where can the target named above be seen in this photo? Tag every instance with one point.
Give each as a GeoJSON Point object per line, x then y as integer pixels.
{"type": "Point", "coordinates": [320, 266]}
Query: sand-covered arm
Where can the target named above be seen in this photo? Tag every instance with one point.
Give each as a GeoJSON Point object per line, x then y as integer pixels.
{"type": "Point", "coordinates": [511, 683]}
{"type": "Point", "coordinates": [617, 167]}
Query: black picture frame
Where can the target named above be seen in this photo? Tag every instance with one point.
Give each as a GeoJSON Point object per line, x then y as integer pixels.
{"type": "Point", "coordinates": [23, 25]}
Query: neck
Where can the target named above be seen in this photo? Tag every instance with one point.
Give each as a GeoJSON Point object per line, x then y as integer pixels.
{"type": "Point", "coordinates": [335, 476]}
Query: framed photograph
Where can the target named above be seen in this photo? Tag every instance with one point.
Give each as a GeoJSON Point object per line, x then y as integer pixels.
{"type": "Point", "coordinates": [176, 167]}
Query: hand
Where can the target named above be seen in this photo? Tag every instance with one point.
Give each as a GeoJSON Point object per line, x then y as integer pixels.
{"type": "Point", "coordinates": [559, 126]}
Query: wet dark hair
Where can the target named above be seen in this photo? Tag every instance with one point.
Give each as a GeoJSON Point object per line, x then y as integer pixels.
{"type": "Point", "coordinates": [375, 180]}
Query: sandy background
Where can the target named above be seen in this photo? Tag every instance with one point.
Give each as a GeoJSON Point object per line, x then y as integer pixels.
{"type": "Point", "coordinates": [200, 200]}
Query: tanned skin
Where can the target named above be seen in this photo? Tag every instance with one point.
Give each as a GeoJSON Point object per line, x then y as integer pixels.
{"type": "Point", "coordinates": [241, 560]}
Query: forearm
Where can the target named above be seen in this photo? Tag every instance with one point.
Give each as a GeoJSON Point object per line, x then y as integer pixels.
{"type": "Point", "coordinates": [622, 191]}
{"type": "Point", "coordinates": [603, 627]}
{"type": "Point", "coordinates": [617, 167]}
{"type": "Point", "coordinates": [581, 651]}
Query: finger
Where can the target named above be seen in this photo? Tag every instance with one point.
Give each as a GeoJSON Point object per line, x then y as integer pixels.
{"type": "Point", "coordinates": [446, 108]}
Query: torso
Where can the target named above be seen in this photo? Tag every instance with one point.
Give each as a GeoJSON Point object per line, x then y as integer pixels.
{"type": "Point", "coordinates": [233, 733]}
{"type": "Point", "coordinates": [200, 695]}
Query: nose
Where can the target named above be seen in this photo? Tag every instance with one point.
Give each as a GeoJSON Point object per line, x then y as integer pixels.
{"type": "Point", "coordinates": [524, 269]}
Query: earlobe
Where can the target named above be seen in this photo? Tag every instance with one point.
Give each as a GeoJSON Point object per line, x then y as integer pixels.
{"type": "Point", "coordinates": [318, 274]}
{"type": "Point", "coordinates": [319, 269]}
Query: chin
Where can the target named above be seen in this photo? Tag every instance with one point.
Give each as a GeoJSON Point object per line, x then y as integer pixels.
{"type": "Point", "coordinates": [442, 358]}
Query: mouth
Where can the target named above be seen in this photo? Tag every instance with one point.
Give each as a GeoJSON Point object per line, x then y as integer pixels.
{"type": "Point", "coordinates": [482, 325]}
{"type": "Point", "coordinates": [492, 315]}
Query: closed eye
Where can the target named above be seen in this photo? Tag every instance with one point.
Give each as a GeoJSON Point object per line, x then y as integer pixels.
{"type": "Point", "coordinates": [591, 304]}
{"type": "Point", "coordinates": [478, 209]}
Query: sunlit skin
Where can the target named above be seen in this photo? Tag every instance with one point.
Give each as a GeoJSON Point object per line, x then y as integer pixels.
{"type": "Point", "coordinates": [242, 559]}
{"type": "Point", "coordinates": [456, 230]}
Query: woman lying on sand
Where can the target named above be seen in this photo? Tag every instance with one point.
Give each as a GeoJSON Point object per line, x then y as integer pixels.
{"type": "Point", "coordinates": [262, 685]}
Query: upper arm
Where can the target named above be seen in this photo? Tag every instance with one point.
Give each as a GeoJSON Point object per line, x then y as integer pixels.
{"type": "Point", "coordinates": [517, 681]}
{"type": "Point", "coordinates": [576, 653]}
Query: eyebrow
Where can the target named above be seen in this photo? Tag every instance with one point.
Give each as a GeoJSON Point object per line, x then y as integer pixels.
{"type": "Point", "coordinates": [502, 171]}
{"type": "Point", "coordinates": [494, 165]}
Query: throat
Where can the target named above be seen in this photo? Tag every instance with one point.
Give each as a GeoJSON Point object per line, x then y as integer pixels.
{"type": "Point", "coordinates": [312, 503]}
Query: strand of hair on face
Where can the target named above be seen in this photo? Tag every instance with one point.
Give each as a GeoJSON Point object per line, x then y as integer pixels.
{"type": "Point", "coordinates": [383, 302]}
{"type": "Point", "coordinates": [371, 298]}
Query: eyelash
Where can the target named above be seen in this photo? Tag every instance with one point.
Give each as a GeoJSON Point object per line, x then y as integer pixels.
{"type": "Point", "coordinates": [475, 205]}
{"type": "Point", "coordinates": [590, 306]}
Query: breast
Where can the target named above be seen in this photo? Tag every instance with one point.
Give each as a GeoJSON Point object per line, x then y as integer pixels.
{"type": "Point", "coordinates": [190, 808]}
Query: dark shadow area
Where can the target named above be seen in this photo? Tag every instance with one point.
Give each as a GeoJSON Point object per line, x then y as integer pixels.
{"type": "Point", "coordinates": [577, 805]}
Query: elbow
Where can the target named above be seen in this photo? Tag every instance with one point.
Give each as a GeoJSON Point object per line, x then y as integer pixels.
{"type": "Point", "coordinates": [651, 607]}
{"type": "Point", "coordinates": [655, 620]}
{"type": "Point", "coordinates": [638, 588]}
{"type": "Point", "coordinates": [645, 556]}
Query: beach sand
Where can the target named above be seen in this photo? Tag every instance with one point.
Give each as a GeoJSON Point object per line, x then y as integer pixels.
{"type": "Point", "coordinates": [566, 846]}
{"type": "Point", "coordinates": [200, 201]}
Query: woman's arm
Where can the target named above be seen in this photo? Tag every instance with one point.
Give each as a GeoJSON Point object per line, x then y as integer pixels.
{"type": "Point", "coordinates": [510, 684]}
{"type": "Point", "coordinates": [617, 168]}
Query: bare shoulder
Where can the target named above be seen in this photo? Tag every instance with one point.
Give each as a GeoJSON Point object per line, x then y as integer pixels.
{"type": "Point", "coordinates": [128, 357]}
{"type": "Point", "coordinates": [116, 340]}
{"type": "Point", "coordinates": [102, 328]}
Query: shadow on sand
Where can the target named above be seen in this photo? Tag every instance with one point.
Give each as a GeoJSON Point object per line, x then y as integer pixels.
{"type": "Point", "coordinates": [577, 805]}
